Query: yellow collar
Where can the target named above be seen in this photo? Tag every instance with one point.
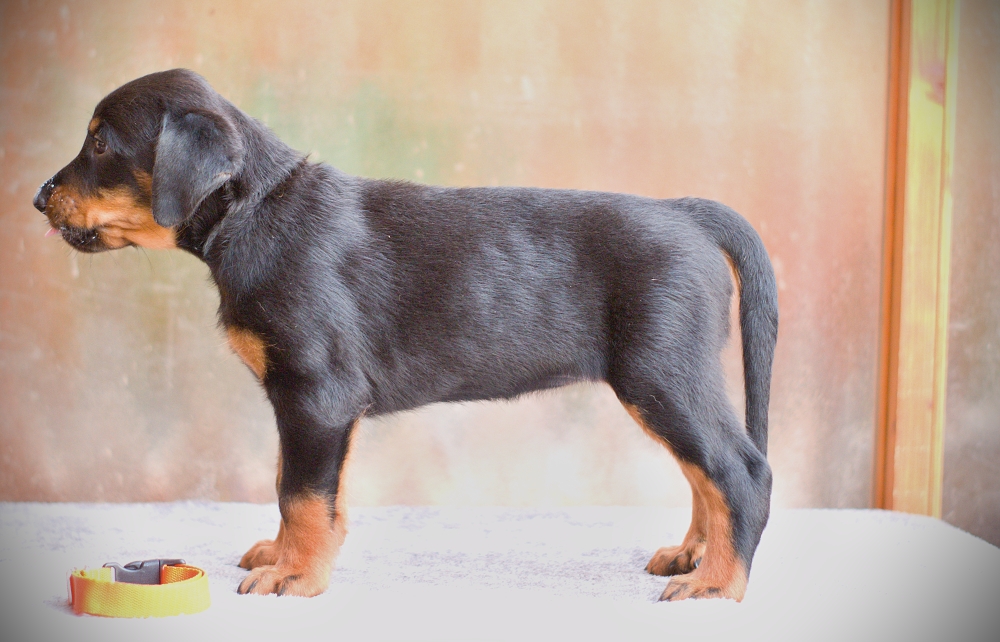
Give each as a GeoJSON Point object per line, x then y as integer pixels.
{"type": "Point", "coordinates": [152, 588]}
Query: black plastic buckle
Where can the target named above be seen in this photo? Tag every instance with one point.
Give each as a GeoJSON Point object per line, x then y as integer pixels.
{"type": "Point", "coordinates": [144, 572]}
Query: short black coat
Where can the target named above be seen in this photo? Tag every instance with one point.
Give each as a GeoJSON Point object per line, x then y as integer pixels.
{"type": "Point", "coordinates": [367, 296]}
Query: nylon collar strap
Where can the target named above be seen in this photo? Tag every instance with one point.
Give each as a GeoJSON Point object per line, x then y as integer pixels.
{"type": "Point", "coordinates": [181, 589]}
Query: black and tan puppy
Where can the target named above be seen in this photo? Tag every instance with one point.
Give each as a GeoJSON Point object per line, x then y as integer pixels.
{"type": "Point", "coordinates": [348, 296]}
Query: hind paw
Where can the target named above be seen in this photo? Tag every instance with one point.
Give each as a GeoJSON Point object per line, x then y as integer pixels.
{"type": "Point", "coordinates": [696, 586]}
{"type": "Point", "coordinates": [676, 560]}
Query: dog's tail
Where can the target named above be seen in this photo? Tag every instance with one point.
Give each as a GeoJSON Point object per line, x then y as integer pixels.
{"type": "Point", "coordinates": [758, 304]}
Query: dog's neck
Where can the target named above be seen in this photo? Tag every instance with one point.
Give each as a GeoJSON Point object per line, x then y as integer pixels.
{"type": "Point", "coordinates": [271, 164]}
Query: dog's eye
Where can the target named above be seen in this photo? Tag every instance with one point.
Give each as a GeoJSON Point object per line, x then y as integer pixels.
{"type": "Point", "coordinates": [100, 146]}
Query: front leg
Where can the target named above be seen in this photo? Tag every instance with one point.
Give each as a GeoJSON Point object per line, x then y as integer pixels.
{"type": "Point", "coordinates": [265, 552]}
{"type": "Point", "coordinates": [304, 551]}
{"type": "Point", "coordinates": [313, 516]}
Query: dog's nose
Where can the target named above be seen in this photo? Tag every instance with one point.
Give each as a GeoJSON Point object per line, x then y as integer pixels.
{"type": "Point", "coordinates": [42, 196]}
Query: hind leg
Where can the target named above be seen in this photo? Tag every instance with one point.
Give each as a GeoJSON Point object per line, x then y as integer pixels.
{"type": "Point", "coordinates": [684, 558]}
{"type": "Point", "coordinates": [728, 553]}
{"type": "Point", "coordinates": [678, 560]}
{"type": "Point", "coordinates": [730, 483]}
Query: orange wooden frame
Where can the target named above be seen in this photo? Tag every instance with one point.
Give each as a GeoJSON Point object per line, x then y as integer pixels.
{"type": "Point", "coordinates": [909, 453]}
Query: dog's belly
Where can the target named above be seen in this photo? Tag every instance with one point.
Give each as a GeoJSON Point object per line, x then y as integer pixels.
{"type": "Point", "coordinates": [482, 356]}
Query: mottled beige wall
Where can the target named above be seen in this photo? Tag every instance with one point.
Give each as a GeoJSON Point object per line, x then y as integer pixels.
{"type": "Point", "coordinates": [972, 429]}
{"type": "Point", "coordinates": [115, 384]}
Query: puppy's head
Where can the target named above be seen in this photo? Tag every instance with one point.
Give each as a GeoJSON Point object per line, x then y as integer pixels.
{"type": "Point", "coordinates": [155, 148]}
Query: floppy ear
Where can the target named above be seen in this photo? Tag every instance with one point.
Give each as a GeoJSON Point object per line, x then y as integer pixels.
{"type": "Point", "coordinates": [195, 155]}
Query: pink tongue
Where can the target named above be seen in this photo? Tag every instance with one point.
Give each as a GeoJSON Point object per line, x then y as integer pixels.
{"type": "Point", "coordinates": [52, 232]}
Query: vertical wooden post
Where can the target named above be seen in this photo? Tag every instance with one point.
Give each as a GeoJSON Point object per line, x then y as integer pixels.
{"type": "Point", "coordinates": [913, 360]}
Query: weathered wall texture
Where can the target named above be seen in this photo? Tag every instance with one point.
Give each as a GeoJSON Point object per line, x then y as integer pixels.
{"type": "Point", "coordinates": [116, 385]}
{"type": "Point", "coordinates": [972, 432]}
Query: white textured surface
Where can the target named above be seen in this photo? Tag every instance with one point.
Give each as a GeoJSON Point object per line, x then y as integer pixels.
{"type": "Point", "coordinates": [511, 574]}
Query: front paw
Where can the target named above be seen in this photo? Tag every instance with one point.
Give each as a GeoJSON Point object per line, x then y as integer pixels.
{"type": "Point", "coordinates": [283, 580]}
{"type": "Point", "coordinates": [263, 553]}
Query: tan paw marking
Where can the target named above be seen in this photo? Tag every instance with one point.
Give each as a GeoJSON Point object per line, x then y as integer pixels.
{"type": "Point", "coordinates": [676, 560]}
{"type": "Point", "coordinates": [299, 560]}
{"type": "Point", "coordinates": [263, 553]}
{"type": "Point", "coordinates": [682, 587]}
{"type": "Point", "coordinates": [283, 580]}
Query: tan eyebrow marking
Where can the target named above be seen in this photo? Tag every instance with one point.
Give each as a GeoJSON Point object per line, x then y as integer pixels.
{"type": "Point", "coordinates": [94, 124]}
